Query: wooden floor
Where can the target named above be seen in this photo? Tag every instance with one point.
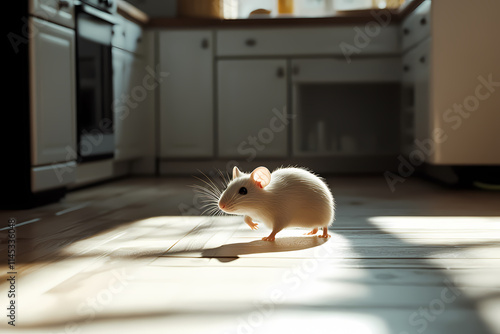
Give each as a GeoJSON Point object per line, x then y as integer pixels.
{"type": "Point", "coordinates": [134, 256]}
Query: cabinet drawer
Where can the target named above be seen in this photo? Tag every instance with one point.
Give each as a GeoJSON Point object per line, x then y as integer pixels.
{"type": "Point", "coordinates": [307, 41]}
{"type": "Point", "coordinates": [337, 70]}
{"type": "Point", "coordinates": [417, 26]}
{"type": "Point", "coordinates": [56, 11]}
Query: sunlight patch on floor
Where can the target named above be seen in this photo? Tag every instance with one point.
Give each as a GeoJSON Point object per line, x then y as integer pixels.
{"type": "Point", "coordinates": [436, 222]}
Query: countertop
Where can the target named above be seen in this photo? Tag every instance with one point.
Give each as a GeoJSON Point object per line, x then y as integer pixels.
{"type": "Point", "coordinates": [354, 17]}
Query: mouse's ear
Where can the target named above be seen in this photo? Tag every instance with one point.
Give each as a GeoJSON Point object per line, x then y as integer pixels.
{"type": "Point", "coordinates": [236, 172]}
{"type": "Point", "coordinates": [262, 176]}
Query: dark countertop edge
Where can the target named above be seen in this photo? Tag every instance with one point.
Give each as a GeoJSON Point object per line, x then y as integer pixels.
{"type": "Point", "coordinates": [355, 17]}
{"type": "Point", "coordinates": [131, 13]}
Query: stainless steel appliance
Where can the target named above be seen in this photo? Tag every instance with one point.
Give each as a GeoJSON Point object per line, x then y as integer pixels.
{"type": "Point", "coordinates": [94, 28]}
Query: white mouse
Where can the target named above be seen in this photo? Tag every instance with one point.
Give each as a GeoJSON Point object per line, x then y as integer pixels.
{"type": "Point", "coordinates": [287, 197]}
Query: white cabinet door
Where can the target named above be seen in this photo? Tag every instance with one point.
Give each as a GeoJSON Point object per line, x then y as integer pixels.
{"type": "Point", "coordinates": [129, 103]}
{"type": "Point", "coordinates": [53, 103]}
{"type": "Point", "coordinates": [252, 119]}
{"type": "Point", "coordinates": [186, 101]}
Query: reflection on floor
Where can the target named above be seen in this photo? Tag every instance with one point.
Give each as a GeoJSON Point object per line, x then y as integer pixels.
{"type": "Point", "coordinates": [135, 256]}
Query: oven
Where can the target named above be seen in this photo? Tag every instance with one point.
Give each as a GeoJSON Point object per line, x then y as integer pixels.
{"type": "Point", "coordinates": [94, 28]}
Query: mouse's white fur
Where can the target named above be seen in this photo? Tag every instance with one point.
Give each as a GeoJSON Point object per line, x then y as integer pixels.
{"type": "Point", "coordinates": [287, 197]}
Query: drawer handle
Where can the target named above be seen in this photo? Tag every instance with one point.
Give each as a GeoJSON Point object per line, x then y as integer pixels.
{"type": "Point", "coordinates": [250, 42]}
{"type": "Point", "coordinates": [406, 68]}
{"type": "Point", "coordinates": [422, 59]}
{"type": "Point", "coordinates": [204, 43]}
{"type": "Point", "coordinates": [423, 21]}
{"type": "Point", "coordinates": [406, 31]}
{"type": "Point", "coordinates": [63, 4]}
{"type": "Point", "coordinates": [280, 73]}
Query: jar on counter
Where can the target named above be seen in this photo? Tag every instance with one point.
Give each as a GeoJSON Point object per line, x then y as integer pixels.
{"type": "Point", "coordinates": [285, 6]}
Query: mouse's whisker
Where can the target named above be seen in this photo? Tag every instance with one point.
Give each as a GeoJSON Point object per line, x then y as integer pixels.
{"type": "Point", "coordinates": [222, 179]}
{"type": "Point", "coordinates": [198, 187]}
{"type": "Point", "coordinates": [216, 189]}
{"type": "Point", "coordinates": [204, 191]}
{"type": "Point", "coordinates": [210, 211]}
{"type": "Point", "coordinates": [208, 196]}
{"type": "Point", "coordinates": [217, 212]}
{"type": "Point", "coordinates": [210, 185]}
{"type": "Point", "coordinates": [203, 204]}
{"type": "Point", "coordinates": [209, 205]}
{"type": "Point", "coordinates": [226, 178]}
{"type": "Point", "coordinates": [208, 201]}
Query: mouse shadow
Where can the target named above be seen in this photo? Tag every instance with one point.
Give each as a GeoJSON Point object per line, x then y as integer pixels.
{"type": "Point", "coordinates": [232, 252]}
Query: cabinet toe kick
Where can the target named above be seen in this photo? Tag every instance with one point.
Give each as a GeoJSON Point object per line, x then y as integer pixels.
{"type": "Point", "coordinates": [52, 176]}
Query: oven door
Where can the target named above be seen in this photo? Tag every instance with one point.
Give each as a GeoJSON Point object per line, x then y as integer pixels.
{"type": "Point", "coordinates": [94, 84]}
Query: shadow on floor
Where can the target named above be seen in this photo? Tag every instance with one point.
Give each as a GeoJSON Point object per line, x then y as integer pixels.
{"type": "Point", "coordinates": [231, 252]}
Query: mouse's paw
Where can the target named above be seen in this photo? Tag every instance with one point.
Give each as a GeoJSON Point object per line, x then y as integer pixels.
{"type": "Point", "coordinates": [249, 221]}
{"type": "Point", "coordinates": [313, 232]}
{"type": "Point", "coordinates": [254, 226]}
{"type": "Point", "coordinates": [269, 238]}
{"type": "Point", "coordinates": [324, 236]}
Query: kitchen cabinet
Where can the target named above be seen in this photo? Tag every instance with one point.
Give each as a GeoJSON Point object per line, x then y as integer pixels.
{"type": "Point", "coordinates": [129, 104]}
{"type": "Point", "coordinates": [415, 96]}
{"type": "Point", "coordinates": [53, 102]}
{"type": "Point", "coordinates": [186, 113]}
{"type": "Point", "coordinates": [131, 95]}
{"type": "Point", "coordinates": [416, 43]}
{"type": "Point", "coordinates": [449, 111]}
{"type": "Point", "coordinates": [395, 87]}
{"type": "Point", "coordinates": [252, 114]}
{"type": "Point", "coordinates": [346, 109]}
{"type": "Point", "coordinates": [41, 129]}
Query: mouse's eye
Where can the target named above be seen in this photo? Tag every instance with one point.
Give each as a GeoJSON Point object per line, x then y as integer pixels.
{"type": "Point", "coordinates": [243, 191]}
